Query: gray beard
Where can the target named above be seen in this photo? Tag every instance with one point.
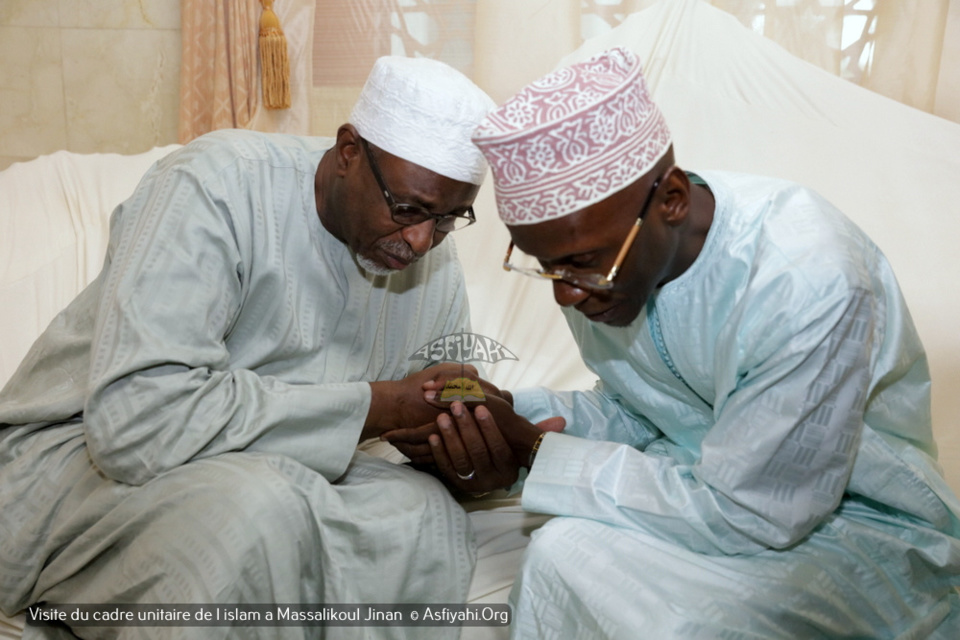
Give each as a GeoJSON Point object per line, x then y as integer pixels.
{"type": "Point", "coordinates": [375, 268]}
{"type": "Point", "coordinates": [397, 248]}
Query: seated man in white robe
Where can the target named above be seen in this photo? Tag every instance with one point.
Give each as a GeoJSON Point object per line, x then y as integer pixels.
{"type": "Point", "coordinates": [186, 430]}
{"type": "Point", "coordinates": [756, 459]}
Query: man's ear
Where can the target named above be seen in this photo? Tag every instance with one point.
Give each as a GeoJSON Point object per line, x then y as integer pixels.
{"type": "Point", "coordinates": [347, 147]}
{"type": "Point", "coordinates": [675, 203]}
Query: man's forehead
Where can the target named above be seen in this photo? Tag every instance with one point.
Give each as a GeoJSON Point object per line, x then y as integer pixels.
{"type": "Point", "coordinates": [412, 183]}
{"type": "Point", "coordinates": [556, 239]}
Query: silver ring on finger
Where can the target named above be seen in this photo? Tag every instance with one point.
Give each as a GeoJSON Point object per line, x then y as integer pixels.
{"type": "Point", "coordinates": [469, 476]}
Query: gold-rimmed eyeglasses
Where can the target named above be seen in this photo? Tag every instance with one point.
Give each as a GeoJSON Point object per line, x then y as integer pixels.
{"type": "Point", "coordinates": [580, 280]}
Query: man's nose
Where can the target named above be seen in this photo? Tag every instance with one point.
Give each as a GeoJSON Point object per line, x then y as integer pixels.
{"type": "Point", "coordinates": [568, 295]}
{"type": "Point", "coordinates": [420, 236]}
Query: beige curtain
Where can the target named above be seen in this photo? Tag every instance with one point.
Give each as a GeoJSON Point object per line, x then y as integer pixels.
{"type": "Point", "coordinates": [947, 101]}
{"type": "Point", "coordinates": [220, 75]}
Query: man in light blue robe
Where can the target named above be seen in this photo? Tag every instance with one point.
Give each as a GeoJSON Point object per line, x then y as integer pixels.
{"type": "Point", "coordinates": [756, 460]}
{"type": "Point", "coordinates": [186, 430]}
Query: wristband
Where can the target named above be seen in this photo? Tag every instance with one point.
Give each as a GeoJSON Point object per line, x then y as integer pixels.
{"type": "Point", "coordinates": [533, 451]}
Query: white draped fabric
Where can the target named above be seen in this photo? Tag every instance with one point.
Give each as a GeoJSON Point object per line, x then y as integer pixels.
{"type": "Point", "coordinates": [907, 51]}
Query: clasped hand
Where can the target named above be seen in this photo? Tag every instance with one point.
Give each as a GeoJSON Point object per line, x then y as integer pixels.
{"type": "Point", "coordinates": [400, 404]}
{"type": "Point", "coordinates": [477, 448]}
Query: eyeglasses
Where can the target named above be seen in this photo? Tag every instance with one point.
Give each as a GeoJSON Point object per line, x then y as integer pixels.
{"type": "Point", "coordinates": [588, 280]}
{"type": "Point", "coordinates": [410, 214]}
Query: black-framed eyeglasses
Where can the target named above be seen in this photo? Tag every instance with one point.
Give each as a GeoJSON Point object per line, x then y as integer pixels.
{"type": "Point", "coordinates": [588, 280]}
{"type": "Point", "coordinates": [410, 214]}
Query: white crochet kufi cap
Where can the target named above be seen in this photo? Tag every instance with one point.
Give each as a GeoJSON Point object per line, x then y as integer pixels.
{"type": "Point", "coordinates": [424, 111]}
{"type": "Point", "coordinates": [572, 138]}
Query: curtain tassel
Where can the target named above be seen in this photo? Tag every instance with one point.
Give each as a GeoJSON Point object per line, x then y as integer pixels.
{"type": "Point", "coordinates": [274, 64]}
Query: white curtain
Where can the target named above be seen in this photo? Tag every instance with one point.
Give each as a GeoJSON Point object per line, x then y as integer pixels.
{"type": "Point", "coordinates": [908, 51]}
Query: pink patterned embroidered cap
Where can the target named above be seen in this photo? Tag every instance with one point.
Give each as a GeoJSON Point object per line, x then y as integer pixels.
{"type": "Point", "coordinates": [572, 138]}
